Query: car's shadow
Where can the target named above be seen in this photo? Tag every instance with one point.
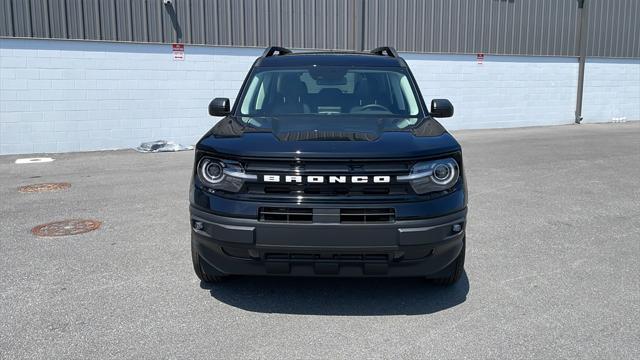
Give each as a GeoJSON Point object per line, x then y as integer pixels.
{"type": "Point", "coordinates": [338, 296]}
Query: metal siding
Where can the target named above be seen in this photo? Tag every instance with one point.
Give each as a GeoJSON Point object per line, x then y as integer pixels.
{"type": "Point", "coordinates": [198, 22]}
{"type": "Point", "coordinates": [355, 22]}
{"type": "Point", "coordinates": [124, 27]}
{"type": "Point", "coordinates": [399, 21]}
{"type": "Point", "coordinates": [456, 25]}
{"type": "Point", "coordinates": [315, 26]}
{"type": "Point", "coordinates": [237, 23]}
{"type": "Point", "coordinates": [572, 31]}
{"type": "Point", "coordinates": [224, 22]}
{"type": "Point", "coordinates": [595, 24]}
{"type": "Point", "coordinates": [39, 15]}
{"type": "Point", "coordinates": [108, 20]}
{"type": "Point", "coordinates": [532, 26]}
{"type": "Point", "coordinates": [418, 23]}
{"type": "Point", "coordinates": [614, 29]}
{"type": "Point", "coordinates": [57, 11]}
{"type": "Point", "coordinates": [518, 27]}
{"type": "Point", "coordinates": [468, 31]}
{"type": "Point", "coordinates": [512, 29]}
{"type": "Point", "coordinates": [623, 29]}
{"type": "Point", "coordinates": [297, 33]}
{"type": "Point", "coordinates": [251, 22]}
{"type": "Point", "coordinates": [75, 19]}
{"type": "Point", "coordinates": [22, 19]}
{"type": "Point", "coordinates": [210, 22]}
{"type": "Point", "coordinates": [634, 31]}
{"type": "Point", "coordinates": [471, 44]}
{"type": "Point", "coordinates": [6, 19]}
{"type": "Point", "coordinates": [542, 44]}
{"type": "Point", "coordinates": [332, 24]}
{"type": "Point", "coordinates": [139, 21]}
{"type": "Point", "coordinates": [154, 11]}
{"type": "Point", "coordinates": [274, 23]}
{"type": "Point", "coordinates": [183, 14]}
{"type": "Point", "coordinates": [91, 19]}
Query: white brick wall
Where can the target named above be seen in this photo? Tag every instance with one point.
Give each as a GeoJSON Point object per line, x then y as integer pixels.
{"type": "Point", "coordinates": [503, 91]}
{"type": "Point", "coordinates": [58, 96]}
{"type": "Point", "coordinates": [611, 90]}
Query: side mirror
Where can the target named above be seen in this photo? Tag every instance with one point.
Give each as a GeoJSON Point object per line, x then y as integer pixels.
{"type": "Point", "coordinates": [441, 108]}
{"type": "Point", "coordinates": [219, 107]}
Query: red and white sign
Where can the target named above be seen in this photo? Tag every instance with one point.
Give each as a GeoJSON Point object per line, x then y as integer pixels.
{"type": "Point", "coordinates": [178, 52]}
{"type": "Point", "coordinates": [480, 58]}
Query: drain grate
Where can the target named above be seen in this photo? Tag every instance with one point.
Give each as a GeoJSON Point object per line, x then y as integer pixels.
{"type": "Point", "coordinates": [66, 227]}
{"type": "Point", "coordinates": [46, 187]}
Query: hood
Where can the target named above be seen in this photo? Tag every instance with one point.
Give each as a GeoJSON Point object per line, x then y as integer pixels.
{"type": "Point", "coordinates": [326, 137]}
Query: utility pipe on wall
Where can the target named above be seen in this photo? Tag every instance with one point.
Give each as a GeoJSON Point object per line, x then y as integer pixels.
{"type": "Point", "coordinates": [582, 55]}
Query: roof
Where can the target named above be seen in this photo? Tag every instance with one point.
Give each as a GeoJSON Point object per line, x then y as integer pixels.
{"type": "Point", "coordinates": [330, 59]}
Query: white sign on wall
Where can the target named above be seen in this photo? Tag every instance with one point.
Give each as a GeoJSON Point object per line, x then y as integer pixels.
{"type": "Point", "coordinates": [178, 52]}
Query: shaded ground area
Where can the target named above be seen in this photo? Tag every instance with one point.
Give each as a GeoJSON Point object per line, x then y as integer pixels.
{"type": "Point", "coordinates": [552, 265]}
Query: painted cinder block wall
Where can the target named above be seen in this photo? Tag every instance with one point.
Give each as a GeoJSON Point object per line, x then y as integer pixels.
{"type": "Point", "coordinates": [502, 91]}
{"type": "Point", "coordinates": [60, 96]}
{"type": "Point", "coordinates": [611, 90]}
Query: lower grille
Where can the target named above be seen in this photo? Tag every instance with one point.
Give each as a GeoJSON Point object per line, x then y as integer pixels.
{"type": "Point", "coordinates": [311, 257]}
{"type": "Point", "coordinates": [308, 215]}
{"type": "Point", "coordinates": [365, 215]}
{"type": "Point", "coordinates": [285, 215]}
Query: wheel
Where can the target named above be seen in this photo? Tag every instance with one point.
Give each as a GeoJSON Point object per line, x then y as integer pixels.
{"type": "Point", "coordinates": [202, 275]}
{"type": "Point", "coordinates": [454, 270]}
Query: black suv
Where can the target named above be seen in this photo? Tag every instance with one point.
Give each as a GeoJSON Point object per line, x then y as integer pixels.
{"type": "Point", "coordinates": [328, 164]}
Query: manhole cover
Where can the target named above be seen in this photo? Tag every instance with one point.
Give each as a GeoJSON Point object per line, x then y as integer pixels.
{"type": "Point", "coordinates": [66, 227]}
{"type": "Point", "coordinates": [47, 187]}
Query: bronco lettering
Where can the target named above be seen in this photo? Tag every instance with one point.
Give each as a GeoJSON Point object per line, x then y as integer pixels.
{"type": "Point", "coordinates": [318, 179]}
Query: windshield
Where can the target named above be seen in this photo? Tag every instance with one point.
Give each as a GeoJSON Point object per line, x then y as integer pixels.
{"type": "Point", "coordinates": [329, 90]}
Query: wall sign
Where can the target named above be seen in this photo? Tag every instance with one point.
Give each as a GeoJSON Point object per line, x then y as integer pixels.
{"type": "Point", "coordinates": [178, 52]}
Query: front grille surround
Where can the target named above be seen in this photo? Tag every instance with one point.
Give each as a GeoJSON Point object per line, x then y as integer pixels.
{"type": "Point", "coordinates": [328, 168]}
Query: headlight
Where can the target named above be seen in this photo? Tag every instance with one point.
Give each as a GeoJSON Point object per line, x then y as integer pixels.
{"type": "Point", "coordinates": [222, 175]}
{"type": "Point", "coordinates": [432, 176]}
{"type": "Point", "coordinates": [211, 171]}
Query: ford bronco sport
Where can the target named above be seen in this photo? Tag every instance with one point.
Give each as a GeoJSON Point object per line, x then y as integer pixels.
{"type": "Point", "coordinates": [328, 164]}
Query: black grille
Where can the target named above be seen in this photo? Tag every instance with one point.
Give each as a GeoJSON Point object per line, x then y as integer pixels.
{"type": "Point", "coordinates": [328, 190]}
{"type": "Point", "coordinates": [286, 215]}
{"type": "Point", "coordinates": [336, 257]}
{"type": "Point", "coordinates": [365, 216]}
{"type": "Point", "coordinates": [328, 168]}
{"type": "Point", "coordinates": [346, 215]}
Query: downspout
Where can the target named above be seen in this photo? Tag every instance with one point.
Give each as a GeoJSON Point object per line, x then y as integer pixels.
{"type": "Point", "coordinates": [582, 55]}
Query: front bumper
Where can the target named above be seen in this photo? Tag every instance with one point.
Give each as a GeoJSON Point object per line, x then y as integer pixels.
{"type": "Point", "coordinates": [250, 247]}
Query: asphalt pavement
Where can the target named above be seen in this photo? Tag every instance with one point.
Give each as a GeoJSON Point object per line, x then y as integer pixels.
{"type": "Point", "coordinates": [552, 269]}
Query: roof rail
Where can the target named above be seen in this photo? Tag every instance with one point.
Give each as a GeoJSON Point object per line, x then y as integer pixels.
{"type": "Point", "coordinates": [270, 51]}
{"type": "Point", "coordinates": [385, 49]}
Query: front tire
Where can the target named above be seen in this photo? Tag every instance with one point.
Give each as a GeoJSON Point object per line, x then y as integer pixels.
{"type": "Point", "coordinates": [200, 273]}
{"type": "Point", "coordinates": [454, 270]}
